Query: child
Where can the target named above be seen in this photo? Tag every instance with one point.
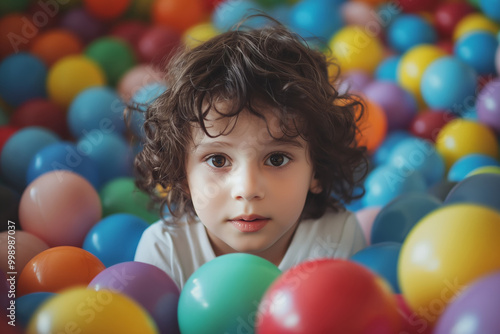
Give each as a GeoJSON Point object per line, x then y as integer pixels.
{"type": "Point", "coordinates": [251, 140]}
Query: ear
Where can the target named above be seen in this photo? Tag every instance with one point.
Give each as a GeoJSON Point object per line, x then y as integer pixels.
{"type": "Point", "coordinates": [315, 186]}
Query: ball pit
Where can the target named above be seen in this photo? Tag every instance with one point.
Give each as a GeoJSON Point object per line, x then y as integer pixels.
{"type": "Point", "coordinates": [428, 71]}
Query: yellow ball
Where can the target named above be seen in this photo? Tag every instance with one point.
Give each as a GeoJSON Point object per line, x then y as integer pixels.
{"type": "Point", "coordinates": [447, 250]}
{"type": "Point", "coordinates": [412, 66]}
{"type": "Point", "coordinates": [461, 137]}
{"type": "Point", "coordinates": [81, 310]}
{"type": "Point", "coordinates": [71, 75]}
{"type": "Point", "coordinates": [485, 170]}
{"type": "Point", "coordinates": [474, 22]}
{"type": "Point", "coordinates": [355, 49]}
{"type": "Point", "coordinates": [198, 34]}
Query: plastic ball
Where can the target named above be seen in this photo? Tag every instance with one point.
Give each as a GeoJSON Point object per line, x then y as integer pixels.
{"type": "Point", "coordinates": [478, 49]}
{"type": "Point", "coordinates": [353, 81]}
{"type": "Point", "coordinates": [448, 14]}
{"type": "Point", "coordinates": [398, 105]}
{"type": "Point", "coordinates": [328, 296]}
{"type": "Point", "coordinates": [384, 151]}
{"type": "Point", "coordinates": [91, 312]}
{"type": "Point", "coordinates": [6, 132]}
{"type": "Point", "coordinates": [373, 127]}
{"type": "Point", "coordinates": [411, 322]}
{"type": "Point", "coordinates": [71, 75]}
{"type": "Point", "coordinates": [382, 259]}
{"type": "Point", "coordinates": [366, 217]}
{"type": "Point", "coordinates": [398, 217]}
{"type": "Point", "coordinates": [355, 48]}
{"type": "Point", "coordinates": [54, 44]}
{"type": "Point", "coordinates": [229, 13]}
{"type": "Point", "coordinates": [59, 207]}
{"type": "Point", "coordinates": [83, 24]}
{"type": "Point", "coordinates": [199, 33]}
{"type": "Point", "coordinates": [448, 82]}
{"type": "Point", "coordinates": [96, 111]}
{"type": "Point", "coordinates": [408, 30]}
{"type": "Point", "coordinates": [411, 6]}
{"type": "Point", "coordinates": [428, 123]}
{"type": "Point", "coordinates": [114, 239]}
{"type": "Point", "coordinates": [463, 166]}
{"type": "Point", "coordinates": [361, 14]}
{"type": "Point", "coordinates": [129, 31]}
{"type": "Point", "coordinates": [491, 9]}
{"type": "Point", "coordinates": [42, 113]}
{"type": "Point", "coordinates": [58, 268]}
{"type": "Point", "coordinates": [157, 44]}
{"type": "Point", "coordinates": [27, 305]}
{"type": "Point", "coordinates": [108, 10]}
{"type": "Point", "coordinates": [474, 22]}
{"type": "Point", "coordinates": [62, 156]}
{"type": "Point", "coordinates": [136, 78]}
{"type": "Point", "coordinates": [485, 170]}
{"type": "Point", "coordinates": [120, 195]}
{"type": "Point", "coordinates": [387, 182]}
{"type": "Point", "coordinates": [413, 65]}
{"type": "Point", "coordinates": [387, 69]}
{"type": "Point", "coordinates": [110, 152]}
{"type": "Point", "coordinates": [149, 286]}
{"type": "Point", "coordinates": [316, 18]}
{"type": "Point", "coordinates": [224, 293]}
{"type": "Point", "coordinates": [26, 245]}
{"type": "Point", "coordinates": [22, 77]}
{"type": "Point", "coordinates": [446, 251]}
{"type": "Point", "coordinates": [461, 137]}
{"type": "Point", "coordinates": [16, 26]}
{"type": "Point", "coordinates": [8, 6]}
{"type": "Point", "coordinates": [478, 189]}
{"type": "Point", "coordinates": [144, 97]}
{"type": "Point", "coordinates": [441, 189]}
{"type": "Point", "coordinates": [488, 105]}
{"type": "Point", "coordinates": [178, 15]}
{"type": "Point", "coordinates": [19, 150]}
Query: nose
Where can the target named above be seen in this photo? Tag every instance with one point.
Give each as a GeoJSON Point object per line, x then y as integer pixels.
{"type": "Point", "coordinates": [248, 184]}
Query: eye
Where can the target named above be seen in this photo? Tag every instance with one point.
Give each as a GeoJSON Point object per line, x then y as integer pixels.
{"type": "Point", "coordinates": [277, 160]}
{"type": "Point", "coordinates": [217, 161]}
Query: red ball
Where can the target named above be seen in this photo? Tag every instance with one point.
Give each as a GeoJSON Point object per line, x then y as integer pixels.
{"type": "Point", "coordinates": [41, 112]}
{"type": "Point", "coordinates": [428, 123]}
{"type": "Point", "coordinates": [130, 31]}
{"type": "Point", "coordinates": [106, 10]}
{"type": "Point", "coordinates": [446, 45]}
{"type": "Point", "coordinates": [178, 14]}
{"type": "Point", "coordinates": [157, 44]}
{"type": "Point", "coordinates": [448, 15]}
{"type": "Point", "coordinates": [413, 6]}
{"type": "Point", "coordinates": [328, 296]}
{"type": "Point", "coordinates": [412, 322]}
{"type": "Point", "coordinates": [6, 131]}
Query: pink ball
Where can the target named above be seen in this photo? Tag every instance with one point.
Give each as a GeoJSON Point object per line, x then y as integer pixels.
{"type": "Point", "coordinates": [27, 246]}
{"type": "Point", "coordinates": [366, 217]}
{"type": "Point", "coordinates": [362, 14]}
{"type": "Point", "coordinates": [157, 44]}
{"type": "Point", "coordinates": [60, 207]}
{"type": "Point", "coordinates": [136, 78]}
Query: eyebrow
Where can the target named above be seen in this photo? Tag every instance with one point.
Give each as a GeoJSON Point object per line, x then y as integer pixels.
{"type": "Point", "coordinates": [284, 141]}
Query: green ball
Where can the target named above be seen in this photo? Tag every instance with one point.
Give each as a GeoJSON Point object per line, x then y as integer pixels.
{"type": "Point", "coordinates": [223, 295]}
{"type": "Point", "coordinates": [114, 56]}
{"type": "Point", "coordinates": [120, 195]}
{"type": "Point", "coordinates": [9, 6]}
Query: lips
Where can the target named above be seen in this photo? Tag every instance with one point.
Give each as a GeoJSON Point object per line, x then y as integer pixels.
{"type": "Point", "coordinates": [249, 223]}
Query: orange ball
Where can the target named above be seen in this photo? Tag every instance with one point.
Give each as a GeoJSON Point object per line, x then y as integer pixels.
{"type": "Point", "coordinates": [178, 14]}
{"type": "Point", "coordinates": [54, 44]}
{"type": "Point", "coordinates": [372, 126]}
{"type": "Point", "coordinates": [106, 10]}
{"type": "Point", "coordinates": [59, 268]}
{"type": "Point", "coordinates": [16, 34]}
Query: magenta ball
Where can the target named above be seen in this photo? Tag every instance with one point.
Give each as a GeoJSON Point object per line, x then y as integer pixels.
{"type": "Point", "coordinates": [488, 105]}
{"type": "Point", "coordinates": [398, 104]}
{"type": "Point", "coordinates": [354, 81]}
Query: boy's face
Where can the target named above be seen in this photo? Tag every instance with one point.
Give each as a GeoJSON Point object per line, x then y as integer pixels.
{"type": "Point", "coordinates": [249, 189]}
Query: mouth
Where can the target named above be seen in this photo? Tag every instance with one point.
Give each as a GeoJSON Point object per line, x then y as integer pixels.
{"type": "Point", "coordinates": [249, 223]}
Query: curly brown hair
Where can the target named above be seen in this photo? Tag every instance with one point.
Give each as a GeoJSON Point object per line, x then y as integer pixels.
{"type": "Point", "coordinates": [251, 68]}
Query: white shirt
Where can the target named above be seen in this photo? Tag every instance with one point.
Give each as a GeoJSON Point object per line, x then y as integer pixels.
{"type": "Point", "coordinates": [181, 249]}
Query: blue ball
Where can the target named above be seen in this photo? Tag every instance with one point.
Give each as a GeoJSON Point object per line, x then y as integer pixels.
{"type": "Point", "coordinates": [382, 259]}
{"type": "Point", "coordinates": [417, 154]}
{"type": "Point", "coordinates": [227, 14]}
{"type": "Point", "coordinates": [480, 189]}
{"type": "Point", "coordinates": [388, 69]}
{"type": "Point", "coordinates": [96, 109]}
{"type": "Point", "coordinates": [316, 18]}
{"type": "Point", "coordinates": [114, 239]}
{"type": "Point", "coordinates": [387, 182]}
{"type": "Point", "coordinates": [409, 30]}
{"type": "Point", "coordinates": [384, 151]}
{"type": "Point", "coordinates": [19, 150]}
{"type": "Point", "coordinates": [397, 218]}
{"type": "Point", "coordinates": [448, 83]}
{"type": "Point", "coordinates": [467, 164]}
{"type": "Point", "coordinates": [144, 97]}
{"type": "Point", "coordinates": [63, 156]}
{"type": "Point", "coordinates": [478, 50]}
{"type": "Point", "coordinates": [491, 8]}
{"type": "Point", "coordinates": [22, 78]}
{"type": "Point", "coordinates": [111, 154]}
{"type": "Point", "coordinates": [27, 305]}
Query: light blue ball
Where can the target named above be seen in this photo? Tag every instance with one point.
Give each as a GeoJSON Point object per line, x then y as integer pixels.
{"type": "Point", "coordinates": [316, 18]}
{"type": "Point", "coordinates": [409, 30]}
{"type": "Point", "coordinates": [227, 14]}
{"type": "Point", "coordinates": [111, 154]}
{"type": "Point", "coordinates": [19, 150]}
{"type": "Point", "coordinates": [144, 97]}
{"type": "Point", "coordinates": [114, 239]}
{"type": "Point", "coordinates": [467, 164]}
{"type": "Point", "coordinates": [28, 304]}
{"type": "Point", "coordinates": [448, 83]}
{"type": "Point", "coordinates": [478, 50]}
{"type": "Point", "coordinates": [22, 78]}
{"type": "Point", "coordinates": [96, 109]}
{"type": "Point", "coordinates": [491, 8]}
{"type": "Point", "coordinates": [384, 151]}
{"type": "Point", "coordinates": [63, 156]}
{"type": "Point", "coordinates": [388, 69]}
{"type": "Point", "coordinates": [417, 154]}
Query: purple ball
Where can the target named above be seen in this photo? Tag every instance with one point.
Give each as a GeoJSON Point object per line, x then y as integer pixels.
{"type": "Point", "coordinates": [85, 26]}
{"type": "Point", "coordinates": [398, 104]}
{"type": "Point", "coordinates": [488, 105]}
{"type": "Point", "coordinates": [354, 82]}
{"type": "Point", "coordinates": [475, 309]}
